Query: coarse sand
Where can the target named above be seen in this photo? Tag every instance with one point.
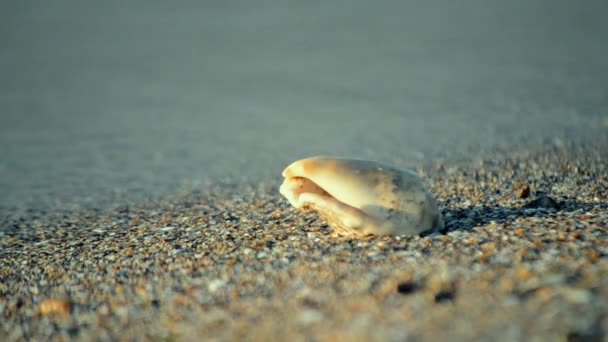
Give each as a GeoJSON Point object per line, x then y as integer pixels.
{"type": "Point", "coordinates": [524, 257]}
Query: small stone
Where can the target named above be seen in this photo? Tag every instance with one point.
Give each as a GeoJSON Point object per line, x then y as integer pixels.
{"type": "Point", "coordinates": [261, 255]}
{"type": "Point", "coordinates": [406, 287]}
{"type": "Point", "coordinates": [444, 295]}
{"type": "Point", "coordinates": [593, 255]}
{"type": "Point", "coordinates": [542, 202]}
{"type": "Point", "coordinates": [523, 191]}
{"type": "Point", "coordinates": [523, 273]}
{"type": "Point", "coordinates": [309, 316]}
{"type": "Point", "coordinates": [579, 296]}
{"type": "Point", "coordinates": [215, 285]}
{"type": "Point", "coordinates": [55, 306]}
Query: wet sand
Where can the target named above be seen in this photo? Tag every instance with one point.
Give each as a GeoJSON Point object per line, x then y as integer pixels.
{"type": "Point", "coordinates": [524, 257]}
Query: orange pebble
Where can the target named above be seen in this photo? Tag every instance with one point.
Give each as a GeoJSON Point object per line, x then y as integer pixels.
{"type": "Point", "coordinates": [55, 306]}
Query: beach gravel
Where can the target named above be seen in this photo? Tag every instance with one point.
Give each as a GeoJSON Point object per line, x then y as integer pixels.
{"type": "Point", "coordinates": [523, 257]}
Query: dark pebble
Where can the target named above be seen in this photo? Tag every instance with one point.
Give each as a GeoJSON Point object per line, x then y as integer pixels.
{"type": "Point", "coordinates": [406, 288]}
{"type": "Point", "coordinates": [524, 191]}
{"type": "Point", "coordinates": [542, 202]}
{"type": "Point", "coordinates": [443, 296]}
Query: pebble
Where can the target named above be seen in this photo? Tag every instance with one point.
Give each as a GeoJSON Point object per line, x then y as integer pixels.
{"type": "Point", "coordinates": [542, 202]}
{"type": "Point", "coordinates": [309, 316]}
{"type": "Point", "coordinates": [215, 284]}
{"type": "Point", "coordinates": [55, 306]}
{"type": "Point", "coordinates": [523, 191]}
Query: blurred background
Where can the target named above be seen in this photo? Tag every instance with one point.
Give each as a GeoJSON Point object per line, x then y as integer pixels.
{"type": "Point", "coordinates": [109, 101]}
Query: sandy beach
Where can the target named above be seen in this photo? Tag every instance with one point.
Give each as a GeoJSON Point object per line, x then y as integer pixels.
{"type": "Point", "coordinates": [524, 257]}
{"type": "Point", "coordinates": [142, 144]}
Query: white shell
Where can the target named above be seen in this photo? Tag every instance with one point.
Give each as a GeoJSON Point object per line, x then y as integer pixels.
{"type": "Point", "coordinates": [362, 197]}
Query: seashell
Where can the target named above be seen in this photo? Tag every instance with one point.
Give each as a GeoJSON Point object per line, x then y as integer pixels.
{"type": "Point", "coordinates": [359, 197]}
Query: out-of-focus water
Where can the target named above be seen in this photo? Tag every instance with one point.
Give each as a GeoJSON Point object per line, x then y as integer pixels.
{"type": "Point", "coordinates": [116, 100]}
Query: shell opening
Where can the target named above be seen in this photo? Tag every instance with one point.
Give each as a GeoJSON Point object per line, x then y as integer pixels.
{"type": "Point", "coordinates": [292, 188]}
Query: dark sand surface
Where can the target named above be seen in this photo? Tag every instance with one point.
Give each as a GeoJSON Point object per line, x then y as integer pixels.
{"type": "Point", "coordinates": [141, 145]}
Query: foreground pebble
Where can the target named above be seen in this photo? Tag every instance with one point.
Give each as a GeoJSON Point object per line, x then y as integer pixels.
{"type": "Point", "coordinates": [235, 262]}
{"type": "Point", "coordinates": [55, 306]}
